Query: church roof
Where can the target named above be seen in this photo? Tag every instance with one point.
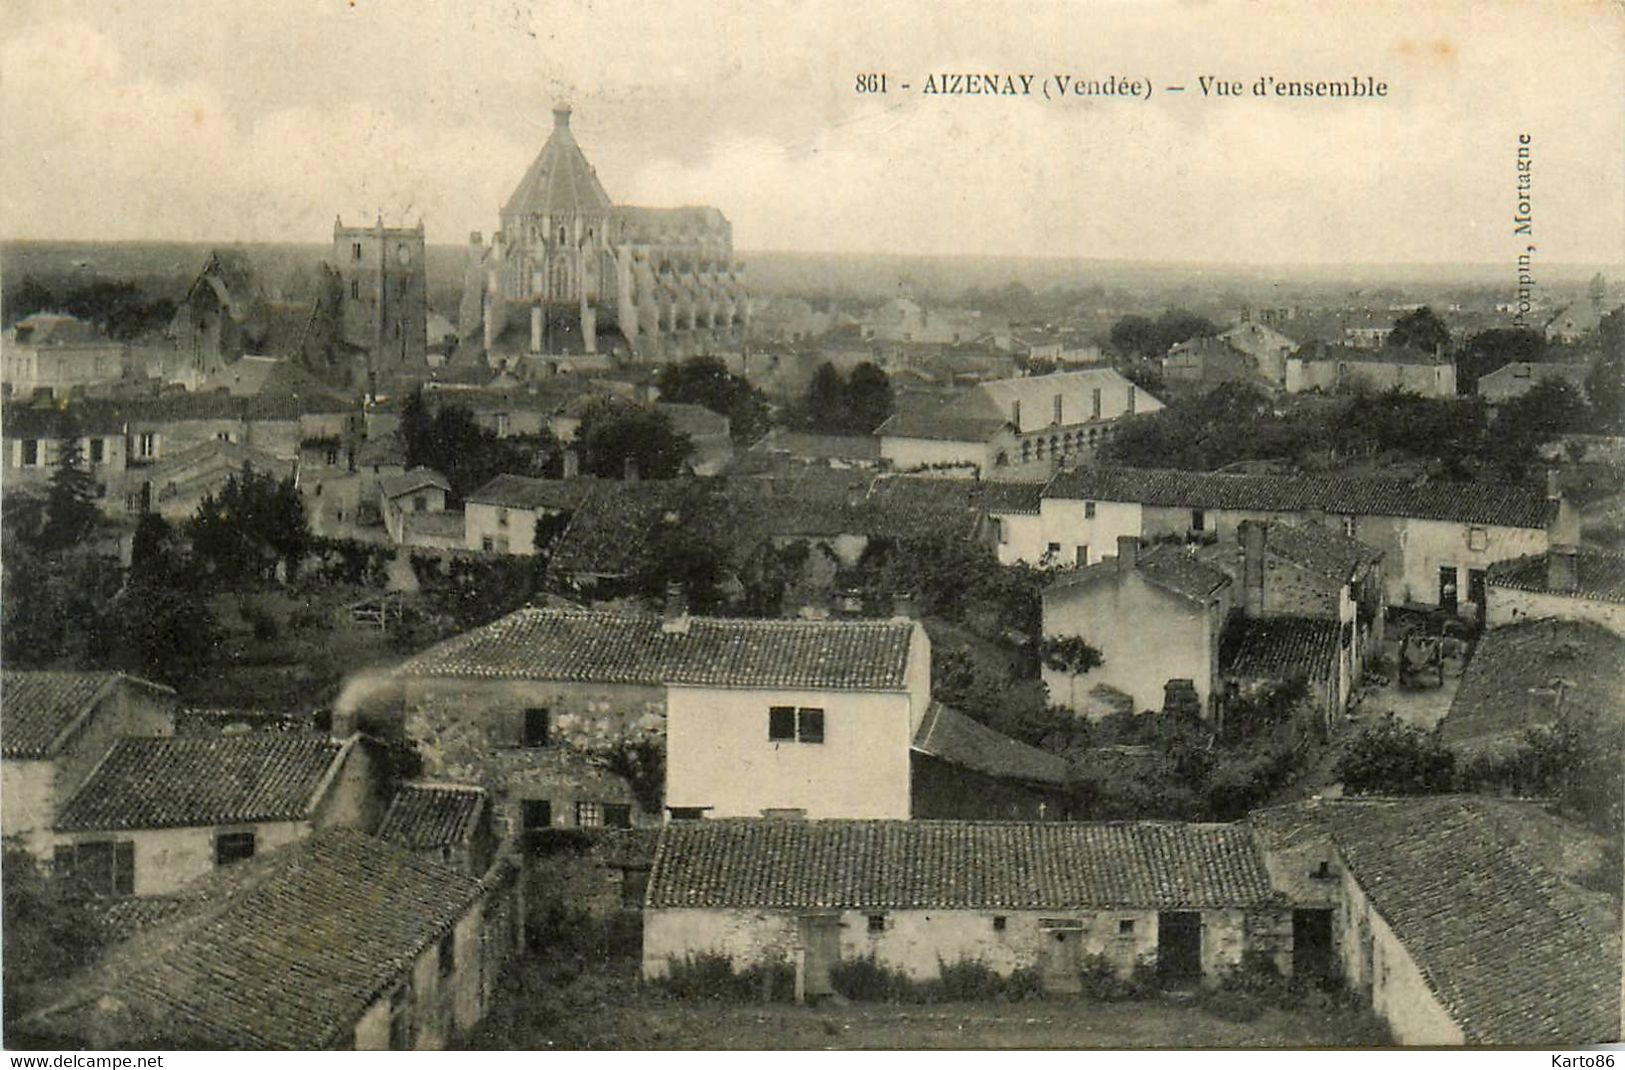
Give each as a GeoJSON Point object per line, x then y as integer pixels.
{"type": "Point", "coordinates": [560, 181]}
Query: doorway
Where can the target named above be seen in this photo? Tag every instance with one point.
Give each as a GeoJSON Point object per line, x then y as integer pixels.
{"type": "Point", "coordinates": [1179, 945]}
{"type": "Point", "coordinates": [1448, 592]}
{"type": "Point", "coordinates": [821, 945]}
{"type": "Point", "coordinates": [1062, 956]}
{"type": "Point", "coordinates": [1312, 944]}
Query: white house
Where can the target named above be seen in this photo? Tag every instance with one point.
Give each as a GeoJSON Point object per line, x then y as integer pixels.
{"type": "Point", "coordinates": [1014, 428]}
{"type": "Point", "coordinates": [155, 813]}
{"type": "Point", "coordinates": [757, 716]}
{"type": "Point", "coordinates": [1437, 539]}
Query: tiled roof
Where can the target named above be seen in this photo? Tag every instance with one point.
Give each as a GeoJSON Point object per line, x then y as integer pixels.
{"type": "Point", "coordinates": [1507, 504]}
{"type": "Point", "coordinates": [947, 734]}
{"type": "Point", "coordinates": [302, 945]}
{"type": "Point", "coordinates": [607, 532]}
{"type": "Point", "coordinates": [1320, 352]}
{"type": "Point", "coordinates": [810, 446]}
{"type": "Point", "coordinates": [1516, 954]}
{"type": "Point", "coordinates": [39, 709]}
{"type": "Point", "coordinates": [524, 492]}
{"type": "Point", "coordinates": [1277, 648]}
{"type": "Point", "coordinates": [1598, 575]}
{"type": "Point", "coordinates": [412, 479]}
{"type": "Point", "coordinates": [1525, 674]}
{"type": "Point", "coordinates": [1320, 549]}
{"type": "Point", "coordinates": [432, 815]}
{"type": "Point", "coordinates": [901, 506]}
{"type": "Point", "coordinates": [196, 780]}
{"type": "Point", "coordinates": [881, 865]}
{"type": "Point", "coordinates": [1171, 568]}
{"type": "Point", "coordinates": [942, 425]}
{"type": "Point", "coordinates": [581, 645]}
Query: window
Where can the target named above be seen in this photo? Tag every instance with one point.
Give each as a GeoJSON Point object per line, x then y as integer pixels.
{"type": "Point", "coordinates": [420, 503]}
{"type": "Point", "coordinates": [687, 813]}
{"type": "Point", "coordinates": [787, 724]}
{"type": "Point", "coordinates": [589, 815]}
{"type": "Point", "coordinates": [355, 251]}
{"type": "Point", "coordinates": [1125, 927]}
{"type": "Point", "coordinates": [538, 727]}
{"type": "Point", "coordinates": [1058, 409]}
{"type": "Point", "coordinates": [100, 868]}
{"type": "Point", "coordinates": [355, 289]}
{"type": "Point", "coordinates": [488, 544]}
{"type": "Point", "coordinates": [1477, 539]}
{"type": "Point", "coordinates": [448, 954]}
{"type": "Point", "coordinates": [232, 847]}
{"type": "Point", "coordinates": [1198, 520]}
{"type": "Point", "coordinates": [1089, 507]}
{"type": "Point", "coordinates": [877, 923]}
{"type": "Point", "coordinates": [618, 815]}
{"type": "Point", "coordinates": [146, 444]}
{"type": "Point", "coordinates": [502, 518]}
{"type": "Point", "coordinates": [535, 814]}
{"type": "Point", "coordinates": [331, 456]}
{"type": "Point", "coordinates": [998, 923]}
{"type": "Point", "coordinates": [98, 451]}
{"type": "Point", "coordinates": [30, 453]}
{"type": "Point", "coordinates": [1348, 526]}
{"type": "Point", "coordinates": [1054, 551]}
{"type": "Point", "coordinates": [1094, 403]}
{"type": "Point", "coordinates": [223, 436]}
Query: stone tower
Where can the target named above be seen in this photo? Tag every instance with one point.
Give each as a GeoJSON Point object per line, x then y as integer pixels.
{"type": "Point", "coordinates": [383, 294]}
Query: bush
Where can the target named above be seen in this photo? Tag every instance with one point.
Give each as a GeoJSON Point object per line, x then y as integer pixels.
{"type": "Point", "coordinates": [1024, 984]}
{"type": "Point", "coordinates": [711, 976]}
{"type": "Point", "coordinates": [1100, 980]}
{"type": "Point", "coordinates": [971, 979]}
{"type": "Point", "coordinates": [866, 981]}
{"type": "Point", "coordinates": [261, 621]}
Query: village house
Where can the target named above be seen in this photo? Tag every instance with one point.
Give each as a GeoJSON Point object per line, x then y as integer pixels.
{"type": "Point", "coordinates": [710, 433]}
{"type": "Point", "coordinates": [175, 486]}
{"type": "Point", "coordinates": [1366, 330]}
{"type": "Point", "coordinates": [59, 353]}
{"type": "Point", "coordinates": [1265, 346]}
{"type": "Point", "coordinates": [413, 507]}
{"type": "Point", "coordinates": [820, 450]}
{"type": "Point", "coordinates": [1202, 363]}
{"type": "Point", "coordinates": [1016, 428]}
{"type": "Point", "coordinates": [1575, 322]}
{"type": "Point", "coordinates": [1517, 378]}
{"type": "Point", "coordinates": [1189, 900]}
{"type": "Point", "coordinates": [505, 515]}
{"type": "Point", "coordinates": [155, 813]}
{"type": "Point", "coordinates": [814, 717]}
{"type": "Point", "coordinates": [1155, 615]}
{"type": "Point", "coordinates": [445, 823]}
{"type": "Point", "coordinates": [341, 941]}
{"type": "Point", "coordinates": [1458, 919]}
{"type": "Point", "coordinates": [1566, 582]}
{"type": "Point", "coordinates": [1534, 674]}
{"type": "Point", "coordinates": [56, 726]}
{"type": "Point", "coordinates": [1340, 369]}
{"type": "Point", "coordinates": [1437, 539]}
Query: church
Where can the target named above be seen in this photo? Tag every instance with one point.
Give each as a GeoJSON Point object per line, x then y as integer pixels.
{"type": "Point", "coordinates": [572, 274]}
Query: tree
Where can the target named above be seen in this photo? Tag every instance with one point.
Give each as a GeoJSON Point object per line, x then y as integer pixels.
{"type": "Point", "coordinates": [824, 407]}
{"type": "Point", "coordinates": [70, 503]}
{"type": "Point", "coordinates": [679, 555]}
{"type": "Point", "coordinates": [1070, 655]}
{"type": "Point", "coordinates": [1488, 350]}
{"type": "Point", "coordinates": [49, 933]}
{"type": "Point", "coordinates": [1394, 758]}
{"type": "Point", "coordinates": [250, 526]}
{"type": "Point", "coordinates": [1605, 384]}
{"type": "Point", "coordinates": [451, 441]}
{"type": "Point", "coordinates": [868, 398]}
{"type": "Point", "coordinates": [1140, 337]}
{"type": "Point", "coordinates": [164, 632]}
{"type": "Point", "coordinates": [1421, 329]}
{"type": "Point", "coordinates": [26, 298]}
{"type": "Point", "coordinates": [617, 436]}
{"type": "Point", "coordinates": [707, 381]}
{"type": "Point", "coordinates": [1550, 408]}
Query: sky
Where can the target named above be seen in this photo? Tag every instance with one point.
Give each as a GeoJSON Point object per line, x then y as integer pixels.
{"type": "Point", "coordinates": [263, 120]}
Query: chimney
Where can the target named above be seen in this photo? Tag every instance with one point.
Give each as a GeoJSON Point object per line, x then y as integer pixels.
{"type": "Point", "coordinates": [1554, 488]}
{"type": "Point", "coordinates": [629, 470]}
{"type": "Point", "coordinates": [1253, 534]}
{"type": "Point", "coordinates": [1128, 552]}
{"type": "Point", "coordinates": [572, 464]}
{"type": "Point", "coordinates": [904, 607]}
{"type": "Point", "coordinates": [1562, 570]}
{"type": "Point", "coordinates": [674, 616]}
